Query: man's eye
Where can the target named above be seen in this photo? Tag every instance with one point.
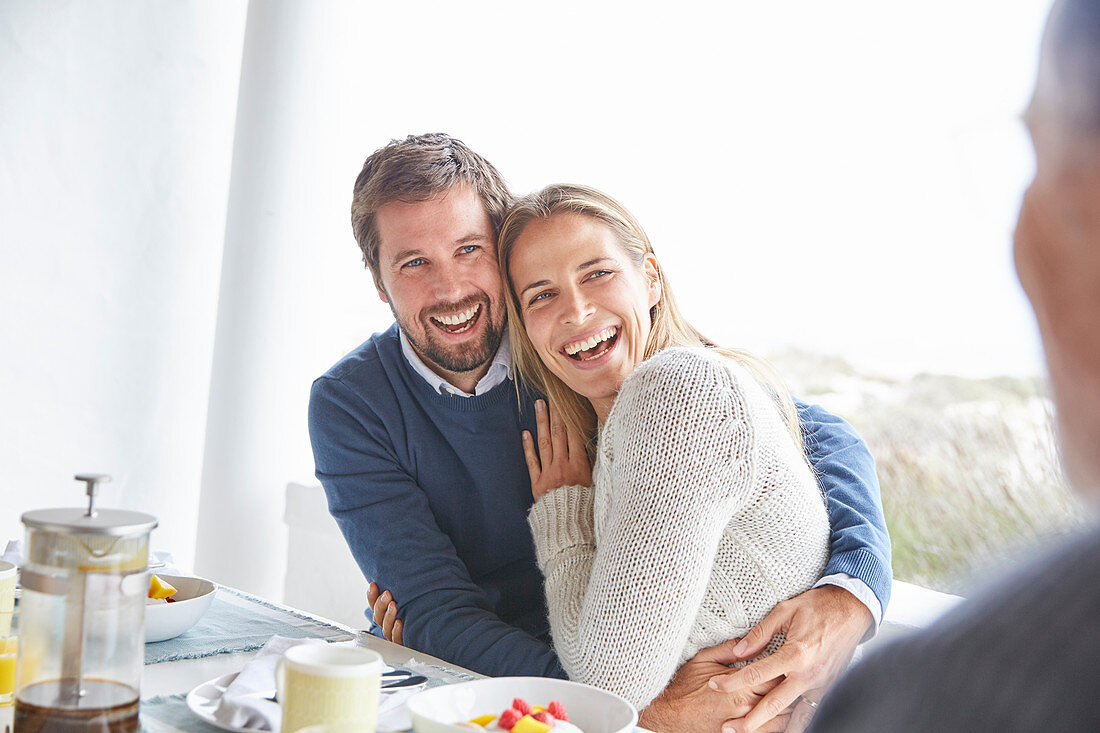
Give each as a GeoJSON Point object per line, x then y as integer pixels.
{"type": "Point", "coordinates": [469, 248]}
{"type": "Point", "coordinates": [414, 263]}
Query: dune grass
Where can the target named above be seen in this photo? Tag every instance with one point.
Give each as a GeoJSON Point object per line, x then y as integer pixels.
{"type": "Point", "coordinates": [968, 467]}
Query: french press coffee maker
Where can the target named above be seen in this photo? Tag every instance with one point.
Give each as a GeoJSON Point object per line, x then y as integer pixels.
{"type": "Point", "coordinates": [82, 636]}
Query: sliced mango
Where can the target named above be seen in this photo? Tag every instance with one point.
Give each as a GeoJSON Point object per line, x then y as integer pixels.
{"type": "Point", "coordinates": [527, 724]}
{"type": "Point", "coordinates": [160, 588]}
{"type": "Point", "coordinates": [483, 720]}
{"type": "Point", "coordinates": [538, 709]}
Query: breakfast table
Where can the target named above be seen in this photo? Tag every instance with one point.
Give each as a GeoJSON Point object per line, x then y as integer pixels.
{"type": "Point", "coordinates": [229, 635]}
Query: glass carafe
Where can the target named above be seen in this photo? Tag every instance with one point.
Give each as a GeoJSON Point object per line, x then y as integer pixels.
{"type": "Point", "coordinates": [82, 616]}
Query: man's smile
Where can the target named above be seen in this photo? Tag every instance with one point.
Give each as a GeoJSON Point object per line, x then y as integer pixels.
{"type": "Point", "coordinates": [457, 322]}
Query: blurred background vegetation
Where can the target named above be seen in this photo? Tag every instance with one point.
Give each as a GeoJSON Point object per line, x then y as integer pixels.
{"type": "Point", "coordinates": [968, 467]}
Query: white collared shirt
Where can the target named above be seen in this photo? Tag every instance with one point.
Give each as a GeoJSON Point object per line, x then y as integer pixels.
{"type": "Point", "coordinates": [498, 370]}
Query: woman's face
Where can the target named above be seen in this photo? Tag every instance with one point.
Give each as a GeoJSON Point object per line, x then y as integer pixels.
{"type": "Point", "coordinates": [585, 304]}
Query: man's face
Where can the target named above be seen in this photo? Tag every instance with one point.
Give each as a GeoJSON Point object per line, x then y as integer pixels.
{"type": "Point", "coordinates": [1057, 251]}
{"type": "Point", "coordinates": [438, 267]}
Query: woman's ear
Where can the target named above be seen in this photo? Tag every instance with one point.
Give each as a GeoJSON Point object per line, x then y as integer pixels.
{"type": "Point", "coordinates": [652, 271]}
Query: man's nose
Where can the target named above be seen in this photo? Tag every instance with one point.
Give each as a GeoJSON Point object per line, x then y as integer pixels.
{"type": "Point", "coordinates": [449, 285]}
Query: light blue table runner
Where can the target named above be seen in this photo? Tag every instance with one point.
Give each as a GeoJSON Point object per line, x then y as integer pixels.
{"type": "Point", "coordinates": [239, 622]}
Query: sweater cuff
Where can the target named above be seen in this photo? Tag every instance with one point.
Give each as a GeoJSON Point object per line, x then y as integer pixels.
{"type": "Point", "coordinates": [866, 566]}
{"type": "Point", "coordinates": [560, 520]}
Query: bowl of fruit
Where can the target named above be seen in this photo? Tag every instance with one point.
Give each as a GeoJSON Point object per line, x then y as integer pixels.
{"type": "Point", "coordinates": [174, 604]}
{"type": "Point", "coordinates": [520, 705]}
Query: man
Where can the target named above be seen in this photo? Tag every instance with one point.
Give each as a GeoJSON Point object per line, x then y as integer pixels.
{"type": "Point", "coordinates": [416, 436]}
{"type": "Point", "coordinates": [1025, 656]}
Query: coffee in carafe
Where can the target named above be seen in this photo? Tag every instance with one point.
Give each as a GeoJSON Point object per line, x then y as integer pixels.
{"type": "Point", "coordinates": [82, 636]}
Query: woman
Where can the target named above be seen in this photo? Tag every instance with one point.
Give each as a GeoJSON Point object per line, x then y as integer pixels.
{"type": "Point", "coordinates": [700, 512]}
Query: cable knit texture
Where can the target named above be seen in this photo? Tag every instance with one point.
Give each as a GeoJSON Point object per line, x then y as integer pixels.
{"type": "Point", "coordinates": [702, 517]}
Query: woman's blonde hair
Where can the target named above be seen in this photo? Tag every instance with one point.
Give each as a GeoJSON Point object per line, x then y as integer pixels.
{"type": "Point", "coordinates": [668, 327]}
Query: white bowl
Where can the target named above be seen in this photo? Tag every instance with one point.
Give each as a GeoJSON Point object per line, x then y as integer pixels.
{"type": "Point", "coordinates": [165, 621]}
{"type": "Point", "coordinates": [589, 708]}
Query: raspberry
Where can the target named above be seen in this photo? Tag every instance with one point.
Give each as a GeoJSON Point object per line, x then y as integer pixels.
{"type": "Point", "coordinates": [558, 710]}
{"type": "Point", "coordinates": [521, 705]}
{"type": "Point", "coordinates": [509, 718]}
{"type": "Point", "coordinates": [545, 718]}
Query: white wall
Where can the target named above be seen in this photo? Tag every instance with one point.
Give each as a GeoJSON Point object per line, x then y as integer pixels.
{"type": "Point", "coordinates": [116, 124]}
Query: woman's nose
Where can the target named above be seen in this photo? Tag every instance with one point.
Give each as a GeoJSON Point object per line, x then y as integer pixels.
{"type": "Point", "coordinates": [575, 307]}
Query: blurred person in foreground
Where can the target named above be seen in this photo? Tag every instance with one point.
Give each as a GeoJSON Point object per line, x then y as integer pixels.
{"type": "Point", "coordinates": [1025, 656]}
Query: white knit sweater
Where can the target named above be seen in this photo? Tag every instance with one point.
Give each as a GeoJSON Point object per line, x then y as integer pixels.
{"type": "Point", "coordinates": [703, 516]}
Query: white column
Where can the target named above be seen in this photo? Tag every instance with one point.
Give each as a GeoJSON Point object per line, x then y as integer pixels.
{"type": "Point", "coordinates": [240, 538]}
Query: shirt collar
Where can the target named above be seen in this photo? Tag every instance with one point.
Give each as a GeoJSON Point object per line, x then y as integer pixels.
{"type": "Point", "coordinates": [499, 369]}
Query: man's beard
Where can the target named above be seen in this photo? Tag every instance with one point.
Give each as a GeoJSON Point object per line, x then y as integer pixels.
{"type": "Point", "coordinates": [453, 358]}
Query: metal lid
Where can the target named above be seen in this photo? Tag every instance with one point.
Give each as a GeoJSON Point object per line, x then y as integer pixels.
{"type": "Point", "coordinates": [110, 522]}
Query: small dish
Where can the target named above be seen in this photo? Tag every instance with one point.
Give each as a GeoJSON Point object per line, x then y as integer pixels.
{"type": "Point", "coordinates": [165, 621]}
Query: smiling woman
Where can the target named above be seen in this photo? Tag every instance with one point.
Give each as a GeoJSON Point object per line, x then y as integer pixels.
{"type": "Point", "coordinates": [700, 482]}
{"type": "Point", "coordinates": [580, 272]}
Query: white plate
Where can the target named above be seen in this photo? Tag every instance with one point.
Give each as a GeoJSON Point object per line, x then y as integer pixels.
{"type": "Point", "coordinates": [204, 699]}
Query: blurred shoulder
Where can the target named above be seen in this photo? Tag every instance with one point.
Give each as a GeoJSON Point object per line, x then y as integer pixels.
{"type": "Point", "coordinates": [1012, 658]}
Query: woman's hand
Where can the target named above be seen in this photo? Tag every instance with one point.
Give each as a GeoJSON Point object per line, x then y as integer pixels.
{"type": "Point", "coordinates": [689, 704]}
{"type": "Point", "coordinates": [823, 626]}
{"type": "Point", "coordinates": [560, 460]}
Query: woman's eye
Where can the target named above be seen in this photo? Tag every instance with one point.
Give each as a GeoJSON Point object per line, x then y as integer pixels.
{"type": "Point", "coordinates": [537, 298]}
{"type": "Point", "coordinates": [598, 273]}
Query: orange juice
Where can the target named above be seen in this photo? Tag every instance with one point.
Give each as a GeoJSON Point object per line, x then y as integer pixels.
{"type": "Point", "coordinates": [8, 648]}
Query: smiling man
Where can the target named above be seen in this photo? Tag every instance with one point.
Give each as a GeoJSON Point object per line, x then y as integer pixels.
{"type": "Point", "coordinates": [416, 438]}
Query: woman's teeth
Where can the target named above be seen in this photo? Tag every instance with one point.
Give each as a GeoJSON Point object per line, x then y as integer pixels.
{"type": "Point", "coordinates": [590, 343]}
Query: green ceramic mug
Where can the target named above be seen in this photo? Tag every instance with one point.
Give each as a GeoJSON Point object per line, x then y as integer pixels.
{"type": "Point", "coordinates": [326, 684]}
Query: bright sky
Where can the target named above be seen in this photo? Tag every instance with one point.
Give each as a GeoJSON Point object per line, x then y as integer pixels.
{"type": "Point", "coordinates": [838, 176]}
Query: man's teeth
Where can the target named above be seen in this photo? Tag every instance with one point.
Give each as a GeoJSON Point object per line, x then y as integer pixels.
{"type": "Point", "coordinates": [590, 343]}
{"type": "Point", "coordinates": [459, 317]}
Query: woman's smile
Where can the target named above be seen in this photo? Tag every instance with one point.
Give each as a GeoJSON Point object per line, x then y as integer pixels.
{"type": "Point", "coordinates": [588, 349]}
{"type": "Point", "coordinates": [584, 303]}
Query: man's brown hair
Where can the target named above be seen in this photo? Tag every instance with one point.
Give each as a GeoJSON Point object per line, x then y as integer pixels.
{"type": "Point", "coordinates": [419, 168]}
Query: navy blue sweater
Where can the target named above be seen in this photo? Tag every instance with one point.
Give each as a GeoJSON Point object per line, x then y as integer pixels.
{"type": "Point", "coordinates": [431, 493]}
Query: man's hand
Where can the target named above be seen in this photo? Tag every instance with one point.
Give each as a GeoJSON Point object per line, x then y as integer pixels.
{"type": "Point", "coordinates": [561, 459]}
{"type": "Point", "coordinates": [688, 704]}
{"type": "Point", "coordinates": [823, 627]}
{"type": "Point", "coordinates": [385, 613]}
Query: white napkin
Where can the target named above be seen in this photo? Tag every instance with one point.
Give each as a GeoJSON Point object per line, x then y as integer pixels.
{"type": "Point", "coordinates": [393, 716]}
{"type": "Point", "coordinates": [13, 553]}
{"type": "Point", "coordinates": [162, 556]}
{"type": "Point", "coordinates": [244, 703]}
